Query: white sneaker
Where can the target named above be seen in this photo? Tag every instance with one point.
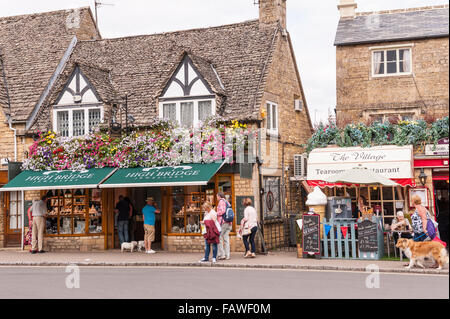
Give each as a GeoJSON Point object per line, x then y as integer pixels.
{"type": "Point", "coordinates": [213, 260]}
{"type": "Point", "coordinates": [203, 260]}
{"type": "Point", "coordinates": [151, 251]}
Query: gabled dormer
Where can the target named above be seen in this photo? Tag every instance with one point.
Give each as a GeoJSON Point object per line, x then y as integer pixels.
{"type": "Point", "coordinates": [78, 108]}
{"type": "Point", "coordinates": [189, 96]}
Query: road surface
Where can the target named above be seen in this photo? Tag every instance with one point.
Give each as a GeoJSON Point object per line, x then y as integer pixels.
{"type": "Point", "coordinates": [193, 283]}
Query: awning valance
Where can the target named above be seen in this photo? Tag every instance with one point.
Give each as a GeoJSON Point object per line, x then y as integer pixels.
{"type": "Point", "coordinates": [65, 179]}
{"type": "Point", "coordinates": [186, 174]}
{"type": "Point", "coordinates": [401, 181]}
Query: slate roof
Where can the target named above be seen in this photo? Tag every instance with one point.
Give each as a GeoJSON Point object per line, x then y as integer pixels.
{"type": "Point", "coordinates": [32, 47]}
{"type": "Point", "coordinates": [232, 58]}
{"type": "Point", "coordinates": [385, 26]}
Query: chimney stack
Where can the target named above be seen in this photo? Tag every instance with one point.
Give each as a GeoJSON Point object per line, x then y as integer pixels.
{"type": "Point", "coordinates": [272, 11]}
{"type": "Point", "coordinates": [347, 8]}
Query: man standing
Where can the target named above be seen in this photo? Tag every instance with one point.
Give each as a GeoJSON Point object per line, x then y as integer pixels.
{"type": "Point", "coordinates": [149, 211]}
{"type": "Point", "coordinates": [224, 245]}
{"type": "Point", "coordinates": [124, 211]}
{"type": "Point", "coordinates": [39, 210]}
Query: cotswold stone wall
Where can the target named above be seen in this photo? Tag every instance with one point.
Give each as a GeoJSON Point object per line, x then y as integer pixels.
{"type": "Point", "coordinates": [425, 93]}
{"type": "Point", "coordinates": [87, 243]}
{"type": "Point", "coordinates": [196, 244]}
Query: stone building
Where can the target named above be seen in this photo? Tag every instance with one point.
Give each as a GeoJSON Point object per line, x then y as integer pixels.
{"type": "Point", "coordinates": [391, 63]}
{"type": "Point", "coordinates": [245, 71]}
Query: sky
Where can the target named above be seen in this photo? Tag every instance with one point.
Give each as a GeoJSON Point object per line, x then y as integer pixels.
{"type": "Point", "coordinates": [311, 23]}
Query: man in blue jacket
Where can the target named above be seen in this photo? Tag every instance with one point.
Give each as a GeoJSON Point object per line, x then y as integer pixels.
{"type": "Point", "coordinates": [149, 211]}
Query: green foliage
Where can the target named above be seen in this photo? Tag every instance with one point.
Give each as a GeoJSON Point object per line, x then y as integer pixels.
{"type": "Point", "coordinates": [379, 133]}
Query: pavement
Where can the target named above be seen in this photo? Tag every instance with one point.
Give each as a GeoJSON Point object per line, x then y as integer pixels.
{"type": "Point", "coordinates": [273, 260]}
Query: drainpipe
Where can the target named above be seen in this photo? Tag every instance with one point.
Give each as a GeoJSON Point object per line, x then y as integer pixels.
{"type": "Point", "coordinates": [15, 137]}
{"type": "Point", "coordinates": [261, 207]}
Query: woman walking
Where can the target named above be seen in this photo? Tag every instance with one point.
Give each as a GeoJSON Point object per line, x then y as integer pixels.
{"type": "Point", "coordinates": [419, 219]}
{"type": "Point", "coordinates": [210, 232]}
{"type": "Point", "coordinates": [250, 223]}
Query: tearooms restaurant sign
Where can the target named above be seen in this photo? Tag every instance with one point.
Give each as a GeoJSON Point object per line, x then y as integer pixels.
{"type": "Point", "coordinates": [390, 161]}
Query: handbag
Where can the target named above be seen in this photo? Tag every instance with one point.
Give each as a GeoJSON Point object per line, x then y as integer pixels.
{"type": "Point", "coordinates": [246, 230]}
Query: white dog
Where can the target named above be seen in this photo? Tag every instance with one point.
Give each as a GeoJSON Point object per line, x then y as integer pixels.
{"type": "Point", "coordinates": [129, 246]}
{"type": "Point", "coordinates": [141, 245]}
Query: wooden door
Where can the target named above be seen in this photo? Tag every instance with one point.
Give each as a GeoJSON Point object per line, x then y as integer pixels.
{"type": "Point", "coordinates": [13, 206]}
{"type": "Point", "coordinates": [108, 222]}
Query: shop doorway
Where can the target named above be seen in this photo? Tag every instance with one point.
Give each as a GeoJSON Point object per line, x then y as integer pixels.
{"type": "Point", "coordinates": [441, 196]}
{"type": "Point", "coordinates": [13, 219]}
{"type": "Point", "coordinates": [138, 198]}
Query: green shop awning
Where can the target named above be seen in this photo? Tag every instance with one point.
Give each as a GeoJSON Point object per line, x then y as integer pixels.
{"type": "Point", "coordinates": [183, 175]}
{"type": "Point", "coordinates": [46, 180]}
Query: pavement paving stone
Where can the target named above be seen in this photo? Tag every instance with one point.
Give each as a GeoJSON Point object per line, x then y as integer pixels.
{"type": "Point", "coordinates": [273, 260]}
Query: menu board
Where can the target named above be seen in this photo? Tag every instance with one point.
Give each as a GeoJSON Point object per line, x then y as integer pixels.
{"type": "Point", "coordinates": [311, 234]}
{"type": "Point", "coordinates": [367, 236]}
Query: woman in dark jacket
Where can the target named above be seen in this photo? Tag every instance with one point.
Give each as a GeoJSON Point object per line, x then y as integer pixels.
{"type": "Point", "coordinates": [210, 232]}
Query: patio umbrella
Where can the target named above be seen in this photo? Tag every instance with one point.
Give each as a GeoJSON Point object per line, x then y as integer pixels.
{"type": "Point", "coordinates": [360, 175]}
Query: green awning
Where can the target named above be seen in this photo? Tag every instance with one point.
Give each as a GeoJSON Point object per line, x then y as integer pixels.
{"type": "Point", "coordinates": [183, 175]}
{"type": "Point", "coordinates": [46, 180]}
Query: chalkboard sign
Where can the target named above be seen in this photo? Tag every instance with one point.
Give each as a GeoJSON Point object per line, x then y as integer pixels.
{"type": "Point", "coordinates": [311, 234]}
{"type": "Point", "coordinates": [239, 212]}
{"type": "Point", "coordinates": [367, 236]}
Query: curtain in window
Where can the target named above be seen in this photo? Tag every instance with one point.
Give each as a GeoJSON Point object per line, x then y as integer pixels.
{"type": "Point", "coordinates": [204, 110]}
{"type": "Point", "coordinates": [62, 123]}
{"type": "Point", "coordinates": [405, 65]}
{"type": "Point", "coordinates": [170, 111]}
{"type": "Point", "coordinates": [187, 113]}
{"type": "Point", "coordinates": [78, 122]}
{"type": "Point", "coordinates": [94, 118]}
{"type": "Point", "coordinates": [378, 62]}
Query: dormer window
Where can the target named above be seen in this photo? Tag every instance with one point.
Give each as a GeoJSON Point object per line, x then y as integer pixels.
{"type": "Point", "coordinates": [78, 109]}
{"type": "Point", "coordinates": [187, 98]}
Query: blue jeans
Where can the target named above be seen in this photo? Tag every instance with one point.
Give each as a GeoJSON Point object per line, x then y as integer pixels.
{"type": "Point", "coordinates": [122, 230]}
{"type": "Point", "coordinates": [252, 240]}
{"type": "Point", "coordinates": [208, 249]}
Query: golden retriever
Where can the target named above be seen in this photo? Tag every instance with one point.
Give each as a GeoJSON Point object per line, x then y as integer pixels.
{"type": "Point", "coordinates": [418, 251]}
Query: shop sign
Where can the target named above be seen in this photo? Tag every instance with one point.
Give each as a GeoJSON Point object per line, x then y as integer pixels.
{"type": "Point", "coordinates": [441, 148]}
{"type": "Point", "coordinates": [394, 162]}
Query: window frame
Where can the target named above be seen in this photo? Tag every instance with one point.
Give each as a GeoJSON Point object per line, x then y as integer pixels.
{"type": "Point", "coordinates": [269, 109]}
{"type": "Point", "coordinates": [70, 110]}
{"type": "Point", "coordinates": [384, 49]}
{"type": "Point", "coordinates": [178, 102]}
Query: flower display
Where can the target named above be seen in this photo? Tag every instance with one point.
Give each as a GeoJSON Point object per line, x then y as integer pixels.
{"type": "Point", "coordinates": [416, 133]}
{"type": "Point", "coordinates": [164, 144]}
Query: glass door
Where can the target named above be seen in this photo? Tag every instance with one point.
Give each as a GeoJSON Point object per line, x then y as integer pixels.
{"type": "Point", "coordinates": [13, 219]}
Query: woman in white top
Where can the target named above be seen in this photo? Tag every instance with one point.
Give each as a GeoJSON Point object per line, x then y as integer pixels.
{"type": "Point", "coordinates": [249, 221]}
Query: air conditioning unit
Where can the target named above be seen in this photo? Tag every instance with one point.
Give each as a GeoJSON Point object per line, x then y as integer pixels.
{"type": "Point", "coordinates": [298, 105]}
{"type": "Point", "coordinates": [300, 166]}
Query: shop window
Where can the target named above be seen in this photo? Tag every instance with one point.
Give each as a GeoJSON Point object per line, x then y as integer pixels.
{"type": "Point", "coordinates": [185, 204]}
{"type": "Point", "coordinates": [74, 212]}
{"type": "Point", "coordinates": [272, 203]}
{"type": "Point", "coordinates": [15, 216]}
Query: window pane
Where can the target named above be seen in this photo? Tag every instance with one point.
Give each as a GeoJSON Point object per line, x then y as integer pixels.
{"type": "Point", "coordinates": [392, 67]}
{"type": "Point", "coordinates": [187, 113]}
{"type": "Point", "coordinates": [170, 111]}
{"type": "Point", "coordinates": [405, 60]}
{"type": "Point", "coordinates": [378, 62]}
{"type": "Point", "coordinates": [94, 119]}
{"type": "Point", "coordinates": [62, 123]}
{"type": "Point", "coordinates": [204, 110]}
{"type": "Point", "coordinates": [391, 55]}
{"type": "Point", "coordinates": [274, 117]}
{"type": "Point", "coordinates": [78, 122]}
{"type": "Point", "coordinates": [272, 207]}
{"type": "Point", "coordinates": [388, 193]}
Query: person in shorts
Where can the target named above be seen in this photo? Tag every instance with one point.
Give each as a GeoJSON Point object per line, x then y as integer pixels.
{"type": "Point", "coordinates": [149, 212]}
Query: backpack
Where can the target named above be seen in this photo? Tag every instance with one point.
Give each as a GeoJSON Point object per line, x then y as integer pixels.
{"type": "Point", "coordinates": [229, 214]}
